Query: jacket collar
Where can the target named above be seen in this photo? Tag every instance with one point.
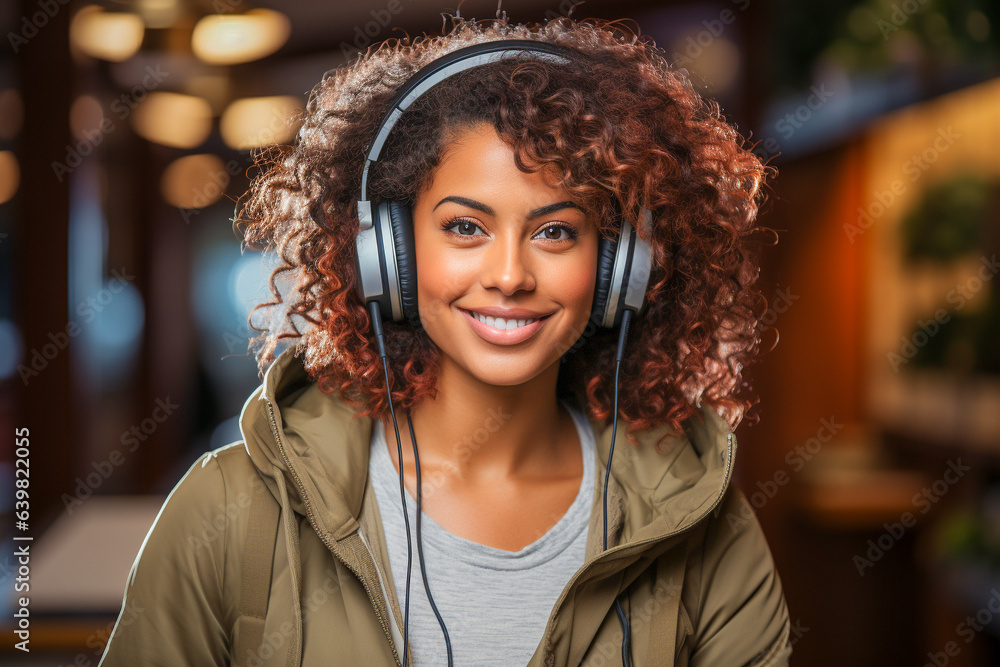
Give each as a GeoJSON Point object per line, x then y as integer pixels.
{"type": "Point", "coordinates": [313, 439]}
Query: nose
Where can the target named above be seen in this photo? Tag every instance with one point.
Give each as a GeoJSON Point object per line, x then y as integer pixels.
{"type": "Point", "coordinates": [507, 265]}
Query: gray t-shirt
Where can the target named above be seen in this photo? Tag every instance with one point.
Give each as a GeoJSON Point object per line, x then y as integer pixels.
{"type": "Point", "coordinates": [495, 603]}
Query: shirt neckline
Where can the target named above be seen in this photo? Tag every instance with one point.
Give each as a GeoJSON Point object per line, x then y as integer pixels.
{"type": "Point", "coordinates": [544, 549]}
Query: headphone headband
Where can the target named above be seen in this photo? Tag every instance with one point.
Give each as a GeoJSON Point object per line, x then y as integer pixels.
{"type": "Point", "coordinates": [434, 73]}
{"type": "Point", "coordinates": [386, 267]}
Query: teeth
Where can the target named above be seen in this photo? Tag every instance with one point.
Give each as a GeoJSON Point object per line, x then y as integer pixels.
{"type": "Point", "coordinates": [501, 323]}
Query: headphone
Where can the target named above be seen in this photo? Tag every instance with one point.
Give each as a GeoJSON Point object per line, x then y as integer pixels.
{"type": "Point", "coordinates": [387, 277]}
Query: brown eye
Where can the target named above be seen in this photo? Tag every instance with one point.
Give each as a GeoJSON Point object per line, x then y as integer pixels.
{"type": "Point", "coordinates": [463, 226]}
{"type": "Point", "coordinates": [552, 233]}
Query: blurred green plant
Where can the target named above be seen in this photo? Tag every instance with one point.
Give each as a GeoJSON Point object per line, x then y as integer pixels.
{"type": "Point", "coordinates": [971, 535]}
{"type": "Point", "coordinates": [959, 536]}
{"type": "Point", "coordinates": [952, 220]}
{"type": "Point", "coordinates": [967, 343]}
{"type": "Point", "coordinates": [881, 35]}
{"type": "Point", "coordinates": [948, 221]}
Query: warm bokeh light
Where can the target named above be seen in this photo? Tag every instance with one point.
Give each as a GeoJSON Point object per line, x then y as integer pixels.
{"type": "Point", "coordinates": [715, 60]}
{"type": "Point", "coordinates": [10, 176]}
{"type": "Point", "coordinates": [159, 13]}
{"type": "Point", "coordinates": [260, 121]}
{"type": "Point", "coordinates": [194, 181]}
{"type": "Point", "coordinates": [85, 117]}
{"type": "Point", "coordinates": [112, 36]}
{"type": "Point", "coordinates": [172, 119]}
{"type": "Point", "coordinates": [238, 38]}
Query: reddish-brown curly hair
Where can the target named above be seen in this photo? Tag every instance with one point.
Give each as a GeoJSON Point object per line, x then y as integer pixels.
{"type": "Point", "coordinates": [626, 130]}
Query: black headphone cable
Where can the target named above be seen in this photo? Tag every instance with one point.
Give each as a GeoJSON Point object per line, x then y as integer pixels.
{"type": "Point", "coordinates": [626, 625]}
{"type": "Point", "coordinates": [420, 549]}
{"type": "Point", "coordinates": [376, 318]}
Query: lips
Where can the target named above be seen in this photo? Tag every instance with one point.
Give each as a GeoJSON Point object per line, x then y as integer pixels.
{"type": "Point", "coordinates": [500, 336]}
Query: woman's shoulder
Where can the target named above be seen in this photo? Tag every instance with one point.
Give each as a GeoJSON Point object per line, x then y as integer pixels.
{"type": "Point", "coordinates": [232, 466]}
{"type": "Point", "coordinates": [211, 487]}
{"type": "Point", "coordinates": [218, 475]}
{"type": "Point", "coordinates": [203, 520]}
{"type": "Point", "coordinates": [739, 599]}
{"type": "Point", "coordinates": [205, 513]}
{"type": "Point", "coordinates": [184, 569]}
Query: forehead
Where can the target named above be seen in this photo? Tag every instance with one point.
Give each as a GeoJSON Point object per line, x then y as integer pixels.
{"type": "Point", "coordinates": [477, 157]}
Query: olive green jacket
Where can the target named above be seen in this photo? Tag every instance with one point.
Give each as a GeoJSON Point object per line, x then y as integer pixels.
{"type": "Point", "coordinates": [702, 586]}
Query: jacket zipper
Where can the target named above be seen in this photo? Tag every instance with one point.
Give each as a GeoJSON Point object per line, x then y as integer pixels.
{"type": "Point", "coordinates": [322, 534]}
{"type": "Point", "coordinates": [636, 546]}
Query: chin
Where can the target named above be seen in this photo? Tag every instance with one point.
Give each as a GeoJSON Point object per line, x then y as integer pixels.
{"type": "Point", "coordinates": [510, 372]}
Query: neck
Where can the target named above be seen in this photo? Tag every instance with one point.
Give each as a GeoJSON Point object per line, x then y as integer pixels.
{"type": "Point", "coordinates": [476, 433]}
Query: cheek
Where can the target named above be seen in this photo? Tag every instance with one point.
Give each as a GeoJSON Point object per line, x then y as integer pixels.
{"type": "Point", "coordinates": [441, 279]}
{"type": "Point", "coordinates": [443, 276]}
{"type": "Point", "coordinates": [574, 285]}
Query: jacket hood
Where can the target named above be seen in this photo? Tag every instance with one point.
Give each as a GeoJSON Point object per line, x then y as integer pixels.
{"type": "Point", "coordinates": [307, 443]}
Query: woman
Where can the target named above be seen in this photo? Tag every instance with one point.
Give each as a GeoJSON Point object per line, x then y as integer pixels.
{"type": "Point", "coordinates": [292, 546]}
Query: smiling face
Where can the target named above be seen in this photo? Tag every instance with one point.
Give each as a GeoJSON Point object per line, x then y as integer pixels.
{"type": "Point", "coordinates": [492, 239]}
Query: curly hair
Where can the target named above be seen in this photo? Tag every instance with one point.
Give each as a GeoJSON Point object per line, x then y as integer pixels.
{"type": "Point", "coordinates": [625, 129]}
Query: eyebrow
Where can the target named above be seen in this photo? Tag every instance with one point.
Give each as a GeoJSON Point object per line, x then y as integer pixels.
{"type": "Point", "coordinates": [537, 213]}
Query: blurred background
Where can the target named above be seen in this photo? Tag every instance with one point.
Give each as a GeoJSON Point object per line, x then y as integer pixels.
{"type": "Point", "coordinates": [126, 131]}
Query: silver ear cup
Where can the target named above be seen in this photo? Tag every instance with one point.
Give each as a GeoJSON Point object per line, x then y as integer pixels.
{"type": "Point", "coordinates": [641, 268]}
{"type": "Point", "coordinates": [633, 255]}
{"type": "Point", "coordinates": [369, 285]}
{"type": "Point", "coordinates": [378, 275]}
